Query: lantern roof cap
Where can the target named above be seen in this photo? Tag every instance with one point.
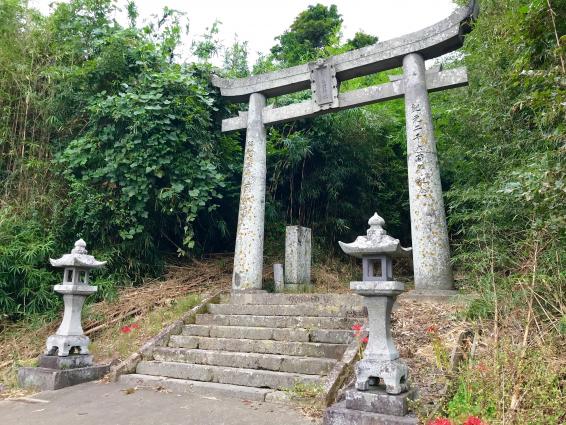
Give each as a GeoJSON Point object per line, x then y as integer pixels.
{"type": "Point", "coordinates": [78, 258]}
{"type": "Point", "coordinates": [376, 241]}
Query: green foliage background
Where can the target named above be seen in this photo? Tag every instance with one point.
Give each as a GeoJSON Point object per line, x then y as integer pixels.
{"type": "Point", "coordinates": [106, 133]}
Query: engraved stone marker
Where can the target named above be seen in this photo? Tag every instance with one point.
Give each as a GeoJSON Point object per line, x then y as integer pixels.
{"type": "Point", "coordinates": [297, 255]}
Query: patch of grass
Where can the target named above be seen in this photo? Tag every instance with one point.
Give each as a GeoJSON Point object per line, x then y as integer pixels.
{"type": "Point", "coordinates": [480, 308]}
{"type": "Point", "coordinates": [122, 339]}
{"type": "Point", "coordinates": [334, 276]}
{"type": "Point", "coordinates": [269, 285]}
{"type": "Point", "coordinates": [20, 344]}
{"type": "Point", "coordinates": [304, 390]}
{"type": "Point", "coordinates": [506, 386]}
{"type": "Point", "coordinates": [309, 396]}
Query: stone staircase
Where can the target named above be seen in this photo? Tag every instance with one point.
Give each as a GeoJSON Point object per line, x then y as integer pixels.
{"type": "Point", "coordinates": [258, 346]}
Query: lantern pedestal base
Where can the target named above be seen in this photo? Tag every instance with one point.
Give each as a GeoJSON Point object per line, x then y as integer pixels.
{"type": "Point", "coordinates": [62, 344]}
{"type": "Point", "coordinates": [377, 400]}
{"type": "Point", "coordinates": [73, 361]}
{"type": "Point", "coordinates": [55, 372]}
{"type": "Point", "coordinates": [339, 414]}
{"type": "Point", "coordinates": [393, 374]}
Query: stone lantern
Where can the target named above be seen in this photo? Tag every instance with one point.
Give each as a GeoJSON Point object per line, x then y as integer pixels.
{"type": "Point", "coordinates": [388, 402]}
{"type": "Point", "coordinates": [59, 367]}
{"type": "Point", "coordinates": [75, 289]}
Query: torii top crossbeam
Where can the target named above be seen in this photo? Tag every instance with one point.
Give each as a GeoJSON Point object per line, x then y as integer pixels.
{"type": "Point", "coordinates": [324, 76]}
{"type": "Point", "coordinates": [436, 40]}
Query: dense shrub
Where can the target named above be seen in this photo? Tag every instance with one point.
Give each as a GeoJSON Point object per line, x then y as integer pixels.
{"type": "Point", "coordinates": [503, 144]}
{"type": "Point", "coordinates": [106, 137]}
{"type": "Point", "coordinates": [148, 156]}
{"type": "Point", "coordinates": [25, 282]}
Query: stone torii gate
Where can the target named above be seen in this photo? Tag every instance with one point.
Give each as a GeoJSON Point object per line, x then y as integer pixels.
{"type": "Point", "coordinates": [431, 253]}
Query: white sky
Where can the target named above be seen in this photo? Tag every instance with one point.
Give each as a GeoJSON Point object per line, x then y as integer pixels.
{"type": "Point", "coordinates": [260, 21]}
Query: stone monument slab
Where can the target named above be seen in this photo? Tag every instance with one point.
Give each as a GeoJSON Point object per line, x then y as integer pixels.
{"type": "Point", "coordinates": [297, 255]}
{"type": "Point", "coordinates": [278, 277]}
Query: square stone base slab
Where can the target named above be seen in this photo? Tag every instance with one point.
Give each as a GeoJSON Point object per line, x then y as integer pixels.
{"type": "Point", "coordinates": [432, 296]}
{"type": "Point", "coordinates": [66, 362]}
{"type": "Point", "coordinates": [338, 414]}
{"type": "Point", "coordinates": [44, 379]}
{"type": "Point", "coordinates": [378, 401]}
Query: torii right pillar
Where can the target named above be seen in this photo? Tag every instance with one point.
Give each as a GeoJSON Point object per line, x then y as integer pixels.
{"type": "Point", "coordinates": [431, 249]}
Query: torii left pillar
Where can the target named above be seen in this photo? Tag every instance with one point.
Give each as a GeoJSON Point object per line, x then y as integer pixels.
{"type": "Point", "coordinates": [248, 256]}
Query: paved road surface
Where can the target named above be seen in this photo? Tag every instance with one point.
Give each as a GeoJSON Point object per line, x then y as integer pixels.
{"type": "Point", "coordinates": [108, 404]}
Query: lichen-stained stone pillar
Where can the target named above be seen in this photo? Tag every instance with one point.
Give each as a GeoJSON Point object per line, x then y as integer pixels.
{"type": "Point", "coordinates": [431, 251]}
{"type": "Point", "coordinates": [297, 255]}
{"type": "Point", "coordinates": [248, 256]}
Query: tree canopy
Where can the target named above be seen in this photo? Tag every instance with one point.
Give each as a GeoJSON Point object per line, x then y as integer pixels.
{"type": "Point", "coordinates": [312, 31]}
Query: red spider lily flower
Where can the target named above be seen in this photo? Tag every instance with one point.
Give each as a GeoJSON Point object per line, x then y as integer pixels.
{"type": "Point", "coordinates": [357, 327]}
{"type": "Point", "coordinates": [440, 421]}
{"type": "Point", "coordinates": [431, 329]}
{"type": "Point", "coordinates": [134, 326]}
{"type": "Point", "coordinates": [125, 329]}
{"type": "Point", "coordinates": [365, 340]}
{"type": "Point", "coordinates": [473, 420]}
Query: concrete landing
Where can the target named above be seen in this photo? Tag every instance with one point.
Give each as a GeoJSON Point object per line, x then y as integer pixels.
{"type": "Point", "coordinates": [95, 403]}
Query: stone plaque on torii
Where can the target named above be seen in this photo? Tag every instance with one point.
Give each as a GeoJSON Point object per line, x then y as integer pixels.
{"type": "Point", "coordinates": [431, 253]}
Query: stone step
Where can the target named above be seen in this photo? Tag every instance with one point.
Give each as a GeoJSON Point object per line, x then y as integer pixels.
{"type": "Point", "coordinates": [290, 348]}
{"type": "Point", "coordinates": [199, 387]}
{"type": "Point", "coordinates": [350, 300]}
{"type": "Point", "coordinates": [278, 321]}
{"type": "Point", "coordinates": [275, 362]}
{"type": "Point", "coordinates": [225, 375]}
{"type": "Point", "coordinates": [333, 336]}
{"type": "Point", "coordinates": [287, 310]}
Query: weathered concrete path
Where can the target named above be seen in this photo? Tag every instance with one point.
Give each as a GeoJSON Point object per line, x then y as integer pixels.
{"type": "Point", "coordinates": [95, 403]}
